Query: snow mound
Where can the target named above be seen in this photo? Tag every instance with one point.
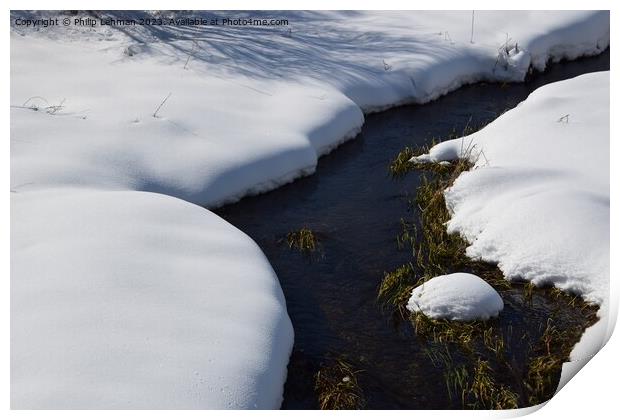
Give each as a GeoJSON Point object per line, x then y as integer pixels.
{"type": "Point", "coordinates": [456, 297]}
{"type": "Point", "coordinates": [138, 300]}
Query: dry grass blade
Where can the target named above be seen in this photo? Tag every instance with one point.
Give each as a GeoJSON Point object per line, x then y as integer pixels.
{"type": "Point", "coordinates": [161, 104]}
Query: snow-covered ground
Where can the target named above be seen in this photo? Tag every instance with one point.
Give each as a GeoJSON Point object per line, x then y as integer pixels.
{"type": "Point", "coordinates": [537, 201]}
{"type": "Point", "coordinates": [127, 299]}
{"type": "Point", "coordinates": [138, 288]}
{"type": "Point", "coordinates": [253, 108]}
{"type": "Point", "coordinates": [456, 296]}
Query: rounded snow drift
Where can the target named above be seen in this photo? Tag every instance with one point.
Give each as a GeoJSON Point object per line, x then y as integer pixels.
{"type": "Point", "coordinates": [456, 297]}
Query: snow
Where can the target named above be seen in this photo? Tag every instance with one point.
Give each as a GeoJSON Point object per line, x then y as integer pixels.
{"type": "Point", "coordinates": [254, 107]}
{"type": "Point", "coordinates": [124, 299]}
{"type": "Point", "coordinates": [199, 149]}
{"type": "Point", "coordinates": [456, 297]}
{"type": "Point", "coordinates": [98, 218]}
{"type": "Point", "coordinates": [537, 201]}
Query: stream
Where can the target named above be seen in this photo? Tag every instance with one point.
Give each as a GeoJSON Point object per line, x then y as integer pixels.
{"type": "Point", "coordinates": [355, 208]}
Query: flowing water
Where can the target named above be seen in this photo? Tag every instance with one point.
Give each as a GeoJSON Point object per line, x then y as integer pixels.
{"type": "Point", "coordinates": [355, 208]}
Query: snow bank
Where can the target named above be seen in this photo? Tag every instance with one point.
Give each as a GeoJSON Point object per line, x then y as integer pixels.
{"type": "Point", "coordinates": [537, 201]}
{"type": "Point", "coordinates": [138, 300]}
{"type": "Point", "coordinates": [457, 297]}
{"type": "Point", "coordinates": [249, 108]}
{"type": "Point", "coordinates": [214, 139]}
{"type": "Point", "coordinates": [253, 108]}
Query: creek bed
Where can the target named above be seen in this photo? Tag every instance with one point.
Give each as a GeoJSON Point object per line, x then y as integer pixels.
{"type": "Point", "coordinates": [355, 208]}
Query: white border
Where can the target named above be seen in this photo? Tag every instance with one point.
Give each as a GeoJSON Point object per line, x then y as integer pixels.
{"type": "Point", "coordinates": [591, 394]}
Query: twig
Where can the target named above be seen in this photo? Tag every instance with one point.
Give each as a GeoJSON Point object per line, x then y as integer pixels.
{"type": "Point", "coordinates": [191, 53]}
{"type": "Point", "coordinates": [160, 105]}
{"type": "Point", "coordinates": [53, 109]}
{"type": "Point", "coordinates": [471, 40]}
{"type": "Point", "coordinates": [485, 157]}
{"type": "Point", "coordinates": [34, 106]}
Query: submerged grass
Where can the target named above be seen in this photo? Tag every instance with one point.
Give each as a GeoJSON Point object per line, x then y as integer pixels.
{"type": "Point", "coordinates": [487, 393]}
{"type": "Point", "coordinates": [489, 377]}
{"type": "Point", "coordinates": [303, 240]}
{"type": "Point", "coordinates": [474, 384]}
{"type": "Point", "coordinates": [478, 389]}
{"type": "Point", "coordinates": [528, 291]}
{"type": "Point", "coordinates": [337, 387]}
{"type": "Point", "coordinates": [545, 365]}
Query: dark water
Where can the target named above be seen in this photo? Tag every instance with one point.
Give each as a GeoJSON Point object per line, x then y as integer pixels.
{"type": "Point", "coordinates": [355, 207]}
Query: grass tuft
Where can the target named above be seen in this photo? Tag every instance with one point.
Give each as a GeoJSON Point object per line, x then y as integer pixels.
{"type": "Point", "coordinates": [303, 240]}
{"type": "Point", "coordinates": [401, 165]}
{"type": "Point", "coordinates": [552, 351]}
{"type": "Point", "coordinates": [395, 289]}
{"type": "Point", "coordinates": [337, 387]}
{"type": "Point", "coordinates": [486, 393]}
{"type": "Point", "coordinates": [462, 333]}
{"type": "Point", "coordinates": [474, 384]}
